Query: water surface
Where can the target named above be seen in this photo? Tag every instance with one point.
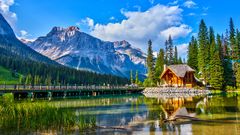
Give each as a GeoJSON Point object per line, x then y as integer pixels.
{"type": "Point", "coordinates": [138, 114]}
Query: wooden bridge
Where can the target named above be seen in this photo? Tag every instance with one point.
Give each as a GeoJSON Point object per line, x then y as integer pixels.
{"type": "Point", "coordinates": [24, 91]}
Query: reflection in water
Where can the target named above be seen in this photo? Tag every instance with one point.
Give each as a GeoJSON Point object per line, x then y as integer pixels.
{"type": "Point", "coordinates": [137, 114]}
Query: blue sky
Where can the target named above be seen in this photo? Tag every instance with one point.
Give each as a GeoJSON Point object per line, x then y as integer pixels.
{"type": "Point", "coordinates": [133, 20]}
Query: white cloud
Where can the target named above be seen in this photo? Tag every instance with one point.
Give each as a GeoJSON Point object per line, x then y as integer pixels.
{"type": "Point", "coordinates": [190, 4]}
{"type": "Point", "coordinates": [155, 54]}
{"type": "Point", "coordinates": [87, 22]}
{"type": "Point", "coordinates": [182, 50]}
{"type": "Point", "coordinates": [173, 3]}
{"type": "Point", "coordinates": [138, 27]}
{"type": "Point", "coordinates": [23, 33]}
{"type": "Point", "coordinates": [10, 16]}
{"type": "Point", "coordinates": [177, 31]}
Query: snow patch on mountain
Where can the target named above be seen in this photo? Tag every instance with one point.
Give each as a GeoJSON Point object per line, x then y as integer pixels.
{"type": "Point", "coordinates": [73, 48]}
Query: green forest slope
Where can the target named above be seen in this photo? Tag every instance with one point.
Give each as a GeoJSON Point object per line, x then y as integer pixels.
{"type": "Point", "coordinates": [8, 77]}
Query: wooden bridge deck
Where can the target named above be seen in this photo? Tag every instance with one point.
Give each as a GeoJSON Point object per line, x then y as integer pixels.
{"type": "Point", "coordinates": [49, 91]}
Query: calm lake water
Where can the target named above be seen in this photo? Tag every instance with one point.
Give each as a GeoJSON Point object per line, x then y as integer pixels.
{"type": "Point", "coordinates": [137, 114]}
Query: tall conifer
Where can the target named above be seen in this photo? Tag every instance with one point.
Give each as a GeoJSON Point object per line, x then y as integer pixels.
{"type": "Point", "coordinates": [175, 55]}
{"type": "Point", "coordinates": [193, 54]}
{"type": "Point", "coordinates": [150, 63]}
{"type": "Point", "coordinates": [159, 65]}
{"type": "Point", "coordinates": [203, 49]}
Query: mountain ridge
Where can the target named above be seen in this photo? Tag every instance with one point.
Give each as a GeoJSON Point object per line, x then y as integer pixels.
{"type": "Point", "coordinates": [10, 45]}
{"type": "Point", "coordinates": [73, 48]}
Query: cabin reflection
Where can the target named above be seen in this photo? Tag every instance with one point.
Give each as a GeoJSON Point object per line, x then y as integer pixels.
{"type": "Point", "coordinates": [172, 105]}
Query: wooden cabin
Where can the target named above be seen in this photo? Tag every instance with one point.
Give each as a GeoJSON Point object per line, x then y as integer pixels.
{"type": "Point", "coordinates": [178, 76]}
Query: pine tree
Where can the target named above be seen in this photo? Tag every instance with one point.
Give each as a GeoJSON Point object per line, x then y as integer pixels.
{"type": "Point", "coordinates": [238, 44]}
{"type": "Point", "coordinates": [203, 49]}
{"type": "Point", "coordinates": [131, 77]}
{"type": "Point", "coordinates": [136, 78]}
{"type": "Point", "coordinates": [180, 60]}
{"type": "Point", "coordinates": [159, 65]}
{"type": "Point", "coordinates": [166, 53]}
{"type": "Point", "coordinates": [21, 79]}
{"type": "Point", "coordinates": [175, 55]}
{"type": "Point", "coordinates": [150, 65]}
{"type": "Point", "coordinates": [216, 73]}
{"type": "Point", "coordinates": [233, 45]}
{"type": "Point", "coordinates": [170, 47]}
{"type": "Point", "coordinates": [193, 54]}
{"type": "Point", "coordinates": [238, 75]}
{"type": "Point", "coordinates": [226, 44]}
{"type": "Point", "coordinates": [212, 44]}
{"type": "Point", "coordinates": [220, 48]}
{"type": "Point", "coordinates": [228, 73]}
{"type": "Point", "coordinates": [28, 79]}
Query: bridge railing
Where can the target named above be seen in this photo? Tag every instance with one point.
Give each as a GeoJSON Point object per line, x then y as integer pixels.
{"type": "Point", "coordinates": [65, 87]}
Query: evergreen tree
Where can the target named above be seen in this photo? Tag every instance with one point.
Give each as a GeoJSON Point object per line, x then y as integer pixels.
{"type": "Point", "coordinates": [170, 47]}
{"type": "Point", "coordinates": [238, 75]}
{"type": "Point", "coordinates": [233, 45]}
{"type": "Point", "coordinates": [238, 44]}
{"type": "Point", "coordinates": [220, 48]}
{"type": "Point", "coordinates": [228, 73]}
{"type": "Point", "coordinates": [193, 54]}
{"type": "Point", "coordinates": [203, 50]}
{"type": "Point", "coordinates": [136, 78]}
{"type": "Point", "coordinates": [217, 72]}
{"type": "Point", "coordinates": [48, 80]}
{"type": "Point", "coordinates": [159, 65]}
{"type": "Point", "coordinates": [150, 65]}
{"type": "Point", "coordinates": [216, 78]}
{"type": "Point", "coordinates": [212, 44]}
{"type": "Point", "coordinates": [180, 60]}
{"type": "Point", "coordinates": [21, 79]}
{"type": "Point", "coordinates": [28, 79]}
{"type": "Point", "coordinates": [131, 77]}
{"type": "Point", "coordinates": [166, 53]}
{"type": "Point", "coordinates": [175, 55]}
{"type": "Point", "coordinates": [226, 44]}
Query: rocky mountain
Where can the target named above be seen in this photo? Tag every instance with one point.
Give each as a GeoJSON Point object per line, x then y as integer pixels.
{"type": "Point", "coordinates": [73, 48]}
{"type": "Point", "coordinates": [11, 46]}
{"type": "Point", "coordinates": [135, 54]}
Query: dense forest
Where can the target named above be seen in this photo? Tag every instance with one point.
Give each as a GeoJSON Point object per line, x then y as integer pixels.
{"type": "Point", "coordinates": [155, 67]}
{"type": "Point", "coordinates": [36, 73]}
{"type": "Point", "coordinates": [214, 57]}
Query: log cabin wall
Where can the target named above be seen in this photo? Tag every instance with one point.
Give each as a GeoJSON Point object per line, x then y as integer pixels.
{"type": "Point", "coordinates": [170, 79]}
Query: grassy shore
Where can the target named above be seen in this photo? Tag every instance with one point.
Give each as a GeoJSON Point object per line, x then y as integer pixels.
{"type": "Point", "coordinates": [40, 115]}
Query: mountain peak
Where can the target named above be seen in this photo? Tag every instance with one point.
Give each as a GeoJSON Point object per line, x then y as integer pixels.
{"type": "Point", "coordinates": [73, 28]}
{"type": "Point", "coordinates": [5, 28]}
{"type": "Point", "coordinates": [70, 31]}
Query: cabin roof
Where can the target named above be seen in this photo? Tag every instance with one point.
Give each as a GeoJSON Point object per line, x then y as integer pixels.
{"type": "Point", "coordinates": [180, 70]}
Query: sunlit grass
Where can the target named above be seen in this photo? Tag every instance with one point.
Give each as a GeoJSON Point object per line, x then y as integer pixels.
{"type": "Point", "coordinates": [39, 115]}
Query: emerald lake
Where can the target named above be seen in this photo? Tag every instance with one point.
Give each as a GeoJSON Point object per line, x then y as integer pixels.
{"type": "Point", "coordinates": [128, 114]}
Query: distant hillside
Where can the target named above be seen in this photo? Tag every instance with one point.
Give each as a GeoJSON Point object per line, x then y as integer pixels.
{"type": "Point", "coordinates": [37, 69]}
{"type": "Point", "coordinates": [8, 77]}
{"type": "Point", "coordinates": [10, 45]}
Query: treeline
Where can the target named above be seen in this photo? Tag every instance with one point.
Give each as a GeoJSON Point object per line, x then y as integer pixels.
{"type": "Point", "coordinates": [216, 57]}
{"type": "Point", "coordinates": [37, 73]}
{"type": "Point", "coordinates": [155, 67]}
